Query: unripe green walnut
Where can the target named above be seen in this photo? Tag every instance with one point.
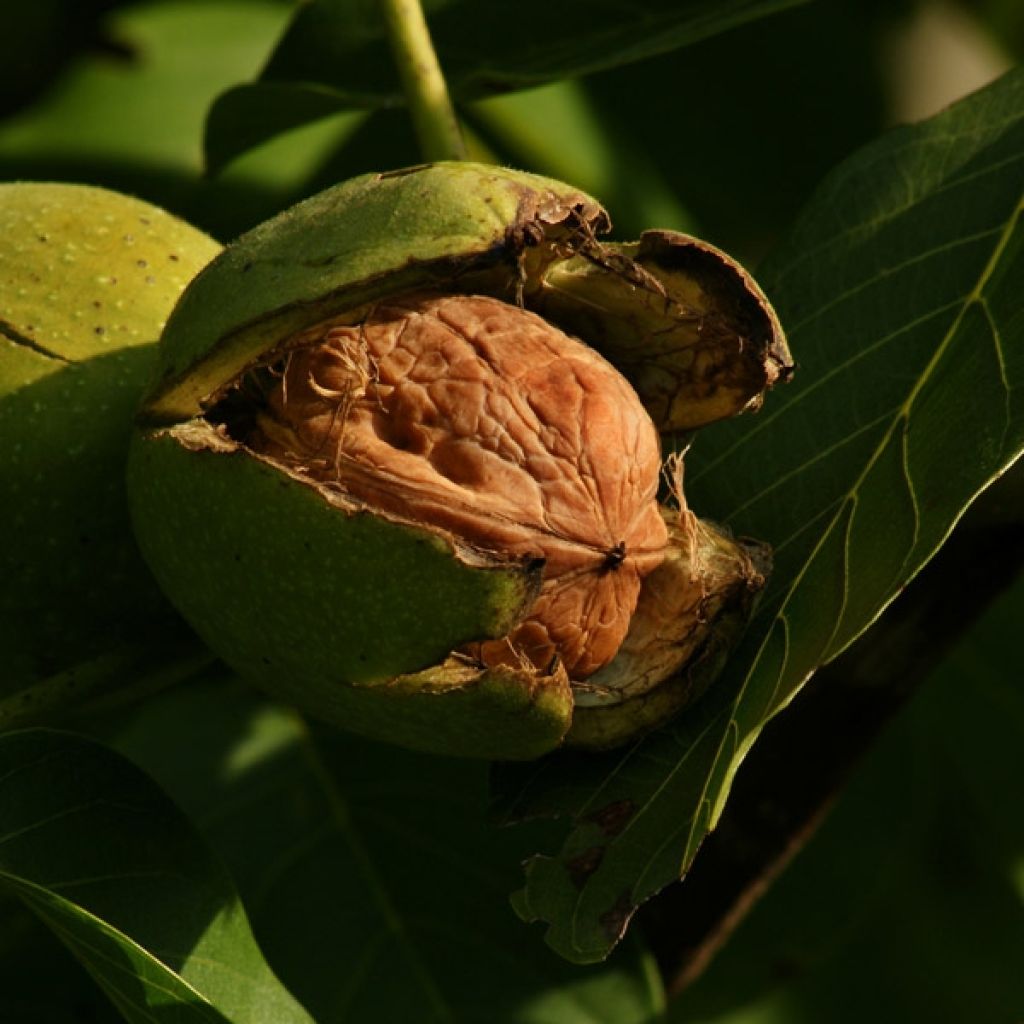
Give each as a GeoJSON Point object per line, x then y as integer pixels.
{"type": "Point", "coordinates": [87, 279]}
{"type": "Point", "coordinates": [392, 469]}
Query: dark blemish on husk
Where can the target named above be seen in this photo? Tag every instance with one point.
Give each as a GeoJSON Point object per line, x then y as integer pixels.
{"type": "Point", "coordinates": [14, 336]}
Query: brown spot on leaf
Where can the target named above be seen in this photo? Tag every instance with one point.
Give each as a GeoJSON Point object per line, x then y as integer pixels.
{"type": "Point", "coordinates": [584, 864]}
{"type": "Point", "coordinates": [613, 818]}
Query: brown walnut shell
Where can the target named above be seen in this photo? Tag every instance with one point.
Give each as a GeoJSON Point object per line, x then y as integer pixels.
{"type": "Point", "coordinates": [483, 420]}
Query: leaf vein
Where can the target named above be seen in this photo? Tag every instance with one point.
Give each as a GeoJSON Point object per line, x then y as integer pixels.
{"type": "Point", "coordinates": [823, 453]}
{"type": "Point", "coordinates": [765, 420]}
{"type": "Point", "coordinates": [865, 229]}
{"type": "Point", "coordinates": [896, 268]}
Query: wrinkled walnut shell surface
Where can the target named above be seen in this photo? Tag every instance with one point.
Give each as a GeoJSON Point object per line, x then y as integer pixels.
{"type": "Point", "coordinates": [479, 418]}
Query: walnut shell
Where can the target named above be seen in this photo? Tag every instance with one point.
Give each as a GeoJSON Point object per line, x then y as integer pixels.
{"type": "Point", "coordinates": [481, 419]}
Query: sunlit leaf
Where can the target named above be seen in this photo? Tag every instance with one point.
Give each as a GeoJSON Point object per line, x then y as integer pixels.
{"type": "Point", "coordinates": [146, 105]}
{"type": "Point", "coordinates": [129, 115]}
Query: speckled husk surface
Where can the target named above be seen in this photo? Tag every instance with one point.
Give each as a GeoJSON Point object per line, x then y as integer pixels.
{"type": "Point", "coordinates": [87, 279]}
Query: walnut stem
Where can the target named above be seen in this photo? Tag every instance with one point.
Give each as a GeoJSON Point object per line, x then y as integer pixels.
{"type": "Point", "coordinates": [426, 92]}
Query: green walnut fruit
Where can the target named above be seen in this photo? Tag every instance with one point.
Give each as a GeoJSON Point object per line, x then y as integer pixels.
{"type": "Point", "coordinates": [87, 280]}
{"type": "Point", "coordinates": [401, 463]}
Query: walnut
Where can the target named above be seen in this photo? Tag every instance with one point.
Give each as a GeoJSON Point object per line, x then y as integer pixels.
{"type": "Point", "coordinates": [390, 469]}
{"type": "Point", "coordinates": [479, 418]}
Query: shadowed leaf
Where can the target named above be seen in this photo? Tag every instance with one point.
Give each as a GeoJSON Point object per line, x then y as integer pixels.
{"type": "Point", "coordinates": [927, 847]}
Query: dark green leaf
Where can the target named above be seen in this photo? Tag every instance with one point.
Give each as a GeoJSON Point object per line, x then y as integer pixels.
{"type": "Point", "coordinates": [915, 883]}
{"type": "Point", "coordinates": [900, 289]}
{"type": "Point", "coordinates": [793, 95]}
{"type": "Point", "coordinates": [342, 45]}
{"type": "Point", "coordinates": [373, 880]}
{"type": "Point", "coordinates": [505, 45]}
{"type": "Point", "coordinates": [113, 868]}
{"type": "Point", "coordinates": [36, 42]}
{"type": "Point", "coordinates": [146, 105]}
{"type": "Point", "coordinates": [558, 131]}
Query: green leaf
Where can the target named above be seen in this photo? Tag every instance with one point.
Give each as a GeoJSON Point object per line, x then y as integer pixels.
{"type": "Point", "coordinates": [36, 42]}
{"type": "Point", "coordinates": [900, 290]}
{"type": "Point", "coordinates": [246, 116]}
{"type": "Point", "coordinates": [816, 64]}
{"type": "Point", "coordinates": [557, 130]}
{"type": "Point", "coordinates": [374, 882]}
{"type": "Point", "coordinates": [113, 868]}
{"type": "Point", "coordinates": [336, 55]}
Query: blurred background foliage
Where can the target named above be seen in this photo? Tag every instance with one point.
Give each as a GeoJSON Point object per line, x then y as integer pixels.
{"type": "Point", "coordinates": [909, 903]}
{"type": "Point", "coordinates": [727, 136]}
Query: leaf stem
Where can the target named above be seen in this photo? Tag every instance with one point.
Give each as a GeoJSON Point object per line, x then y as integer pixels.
{"type": "Point", "coordinates": [433, 115]}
